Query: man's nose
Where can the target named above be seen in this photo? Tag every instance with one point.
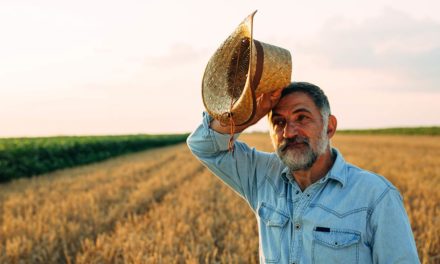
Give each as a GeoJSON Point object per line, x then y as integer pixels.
{"type": "Point", "coordinates": [290, 130]}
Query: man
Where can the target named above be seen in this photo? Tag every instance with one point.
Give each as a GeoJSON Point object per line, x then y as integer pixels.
{"type": "Point", "coordinates": [311, 205]}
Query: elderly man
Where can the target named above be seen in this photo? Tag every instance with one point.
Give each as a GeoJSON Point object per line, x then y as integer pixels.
{"type": "Point", "coordinates": [311, 205]}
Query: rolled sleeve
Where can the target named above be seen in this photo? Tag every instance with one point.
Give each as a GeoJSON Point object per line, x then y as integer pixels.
{"type": "Point", "coordinates": [205, 141]}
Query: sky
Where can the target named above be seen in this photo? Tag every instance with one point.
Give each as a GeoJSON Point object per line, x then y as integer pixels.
{"type": "Point", "coordinates": [92, 67]}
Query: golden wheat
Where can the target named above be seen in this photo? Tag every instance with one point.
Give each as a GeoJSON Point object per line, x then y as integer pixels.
{"type": "Point", "coordinates": [163, 206]}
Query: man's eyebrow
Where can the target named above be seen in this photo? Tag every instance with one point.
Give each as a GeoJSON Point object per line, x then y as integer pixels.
{"type": "Point", "coordinates": [275, 114]}
{"type": "Point", "coordinates": [301, 110]}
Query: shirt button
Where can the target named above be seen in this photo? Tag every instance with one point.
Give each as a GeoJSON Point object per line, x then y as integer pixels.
{"type": "Point", "coordinates": [308, 195]}
{"type": "Point", "coordinates": [297, 192]}
{"type": "Point", "coordinates": [298, 226]}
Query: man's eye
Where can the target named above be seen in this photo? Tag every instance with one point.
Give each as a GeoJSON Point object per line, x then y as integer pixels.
{"type": "Point", "coordinates": [301, 118]}
{"type": "Point", "coordinates": [279, 122]}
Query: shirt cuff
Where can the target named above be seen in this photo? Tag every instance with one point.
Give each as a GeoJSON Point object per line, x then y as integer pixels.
{"type": "Point", "coordinates": [221, 141]}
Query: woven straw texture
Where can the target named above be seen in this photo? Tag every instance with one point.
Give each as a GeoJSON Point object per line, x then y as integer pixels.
{"type": "Point", "coordinates": [228, 85]}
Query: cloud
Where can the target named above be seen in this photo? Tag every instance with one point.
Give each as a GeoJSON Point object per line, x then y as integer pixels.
{"type": "Point", "coordinates": [393, 44]}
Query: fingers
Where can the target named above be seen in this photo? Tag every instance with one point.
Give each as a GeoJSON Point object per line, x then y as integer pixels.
{"type": "Point", "coordinates": [265, 103]}
{"type": "Point", "coordinates": [277, 93]}
{"type": "Point", "coordinates": [275, 97]}
{"type": "Point", "coordinates": [268, 100]}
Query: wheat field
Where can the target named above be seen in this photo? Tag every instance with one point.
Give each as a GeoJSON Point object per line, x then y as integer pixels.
{"type": "Point", "coordinates": [163, 206]}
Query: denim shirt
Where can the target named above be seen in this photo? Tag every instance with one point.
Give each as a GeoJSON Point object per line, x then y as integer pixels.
{"type": "Point", "coordinates": [349, 216]}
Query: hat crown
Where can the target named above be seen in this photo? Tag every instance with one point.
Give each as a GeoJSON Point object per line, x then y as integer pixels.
{"type": "Point", "coordinates": [241, 69]}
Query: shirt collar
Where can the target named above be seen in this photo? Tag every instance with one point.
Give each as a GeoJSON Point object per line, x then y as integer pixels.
{"type": "Point", "coordinates": [284, 174]}
{"type": "Point", "coordinates": [337, 172]}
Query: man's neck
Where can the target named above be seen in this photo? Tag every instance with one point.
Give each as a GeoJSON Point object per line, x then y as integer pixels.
{"type": "Point", "coordinates": [305, 178]}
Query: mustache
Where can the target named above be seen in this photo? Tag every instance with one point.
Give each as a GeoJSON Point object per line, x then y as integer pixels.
{"type": "Point", "coordinates": [296, 140]}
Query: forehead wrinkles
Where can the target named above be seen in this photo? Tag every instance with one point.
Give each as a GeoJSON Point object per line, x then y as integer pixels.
{"type": "Point", "coordinates": [290, 108]}
{"type": "Point", "coordinates": [294, 102]}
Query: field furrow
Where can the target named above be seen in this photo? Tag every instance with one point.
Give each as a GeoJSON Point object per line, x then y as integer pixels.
{"type": "Point", "coordinates": [45, 223]}
{"type": "Point", "coordinates": [196, 223]}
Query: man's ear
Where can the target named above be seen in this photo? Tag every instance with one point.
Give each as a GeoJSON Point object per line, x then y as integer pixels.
{"type": "Point", "coordinates": [331, 127]}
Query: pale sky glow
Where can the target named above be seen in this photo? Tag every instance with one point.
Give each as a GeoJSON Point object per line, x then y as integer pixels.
{"type": "Point", "coordinates": [126, 67]}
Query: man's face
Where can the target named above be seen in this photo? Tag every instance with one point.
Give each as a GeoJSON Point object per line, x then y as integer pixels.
{"type": "Point", "coordinates": [297, 131]}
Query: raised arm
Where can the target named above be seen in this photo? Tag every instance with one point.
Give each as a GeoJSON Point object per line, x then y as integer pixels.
{"type": "Point", "coordinates": [238, 169]}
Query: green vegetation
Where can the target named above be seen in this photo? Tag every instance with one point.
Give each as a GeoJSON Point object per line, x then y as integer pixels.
{"type": "Point", "coordinates": [429, 131]}
{"type": "Point", "coordinates": [26, 157]}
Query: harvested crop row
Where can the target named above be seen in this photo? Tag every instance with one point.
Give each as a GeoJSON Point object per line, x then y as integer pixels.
{"type": "Point", "coordinates": [200, 222]}
{"type": "Point", "coordinates": [45, 223]}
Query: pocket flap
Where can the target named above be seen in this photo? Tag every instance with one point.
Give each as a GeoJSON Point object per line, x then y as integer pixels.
{"type": "Point", "coordinates": [337, 238]}
{"type": "Point", "coordinates": [271, 216]}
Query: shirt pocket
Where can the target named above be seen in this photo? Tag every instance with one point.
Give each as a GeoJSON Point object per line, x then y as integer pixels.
{"type": "Point", "coordinates": [272, 230]}
{"type": "Point", "coordinates": [332, 245]}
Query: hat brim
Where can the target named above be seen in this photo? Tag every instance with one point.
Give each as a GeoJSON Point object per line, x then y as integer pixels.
{"type": "Point", "coordinates": [221, 96]}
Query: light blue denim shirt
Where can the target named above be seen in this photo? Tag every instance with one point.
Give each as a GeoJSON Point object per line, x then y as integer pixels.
{"type": "Point", "coordinates": [349, 216]}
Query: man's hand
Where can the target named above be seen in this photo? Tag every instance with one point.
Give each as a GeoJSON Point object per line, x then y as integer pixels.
{"type": "Point", "coordinates": [265, 103]}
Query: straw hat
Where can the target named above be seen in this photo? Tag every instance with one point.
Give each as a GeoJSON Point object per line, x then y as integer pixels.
{"type": "Point", "coordinates": [240, 70]}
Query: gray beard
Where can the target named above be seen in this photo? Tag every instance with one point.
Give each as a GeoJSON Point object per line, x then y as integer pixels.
{"type": "Point", "coordinates": [302, 158]}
